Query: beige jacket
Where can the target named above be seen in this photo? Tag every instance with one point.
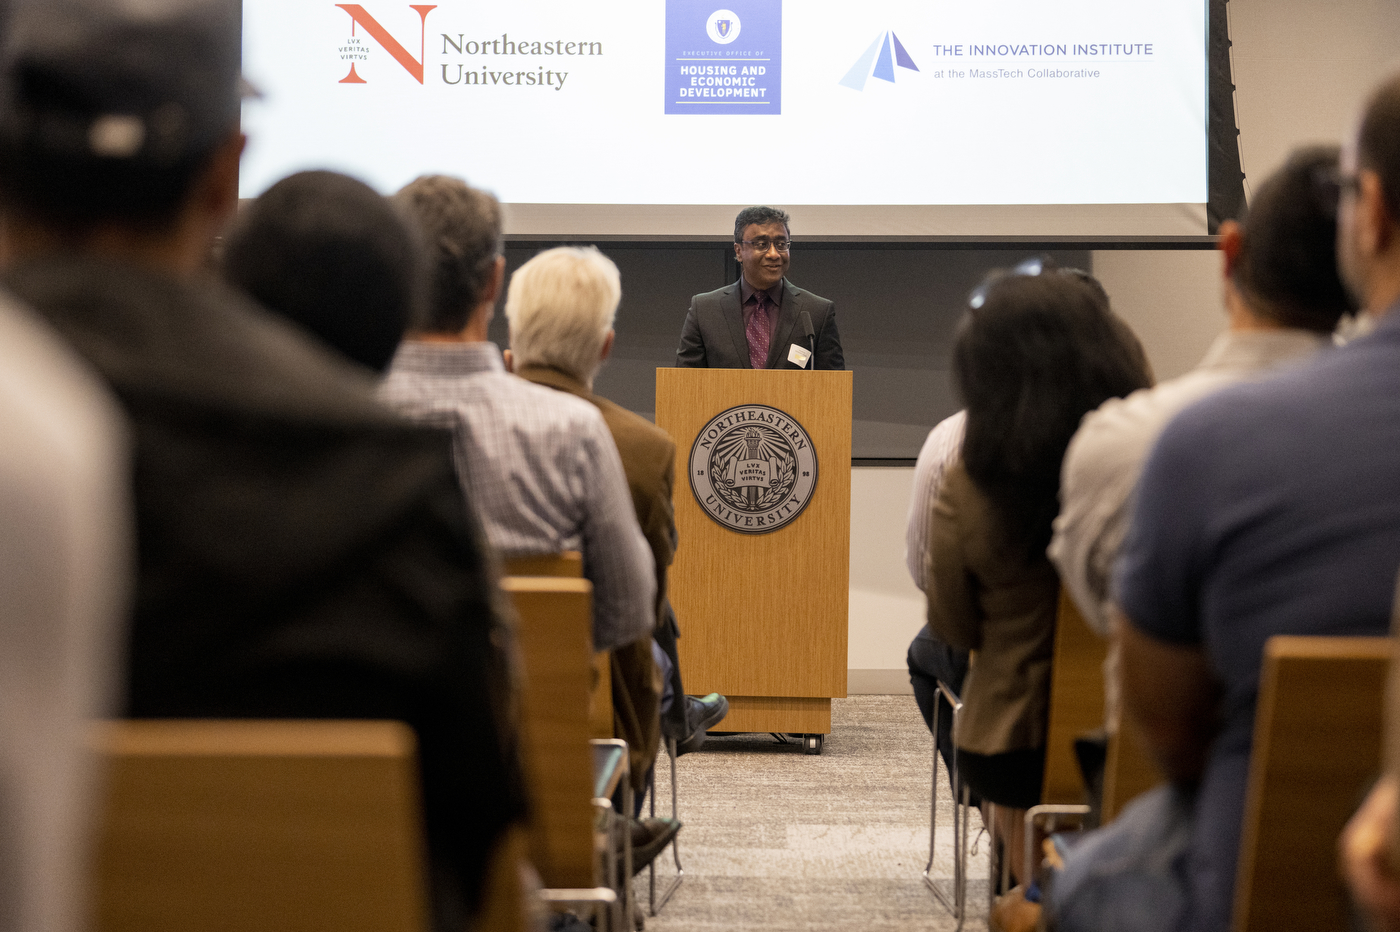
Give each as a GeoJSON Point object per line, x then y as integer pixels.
{"type": "Point", "coordinates": [986, 597]}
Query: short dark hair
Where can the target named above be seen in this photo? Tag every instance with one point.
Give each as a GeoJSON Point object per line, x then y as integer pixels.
{"type": "Point", "coordinates": [761, 216]}
{"type": "Point", "coordinates": [461, 229]}
{"type": "Point", "coordinates": [334, 256]}
{"type": "Point", "coordinates": [1039, 353]}
{"type": "Point", "coordinates": [1378, 142]}
{"type": "Point", "coordinates": [1287, 264]}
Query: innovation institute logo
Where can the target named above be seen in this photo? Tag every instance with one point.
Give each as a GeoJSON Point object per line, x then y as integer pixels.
{"type": "Point", "coordinates": [891, 52]}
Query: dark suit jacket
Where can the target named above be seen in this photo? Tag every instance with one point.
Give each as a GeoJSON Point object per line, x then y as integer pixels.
{"type": "Point", "coordinates": [304, 552]}
{"type": "Point", "coordinates": [649, 460]}
{"type": "Point", "coordinates": [713, 335]}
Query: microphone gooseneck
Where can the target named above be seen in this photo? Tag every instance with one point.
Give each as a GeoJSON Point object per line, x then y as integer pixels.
{"type": "Point", "coordinates": [811, 337]}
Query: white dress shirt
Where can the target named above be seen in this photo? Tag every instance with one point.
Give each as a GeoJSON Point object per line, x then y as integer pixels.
{"type": "Point", "coordinates": [65, 563]}
{"type": "Point", "coordinates": [540, 468]}
{"type": "Point", "coordinates": [940, 450]}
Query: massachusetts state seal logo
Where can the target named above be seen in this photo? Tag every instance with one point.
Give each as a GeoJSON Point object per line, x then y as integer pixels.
{"type": "Point", "coordinates": [753, 469]}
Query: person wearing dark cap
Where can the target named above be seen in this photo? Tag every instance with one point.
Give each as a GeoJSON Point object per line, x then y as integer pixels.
{"type": "Point", "coordinates": [286, 521]}
{"type": "Point", "coordinates": [329, 253]}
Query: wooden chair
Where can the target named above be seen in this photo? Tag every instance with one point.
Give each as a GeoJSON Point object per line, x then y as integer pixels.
{"type": "Point", "coordinates": [1076, 702]}
{"type": "Point", "coordinates": [1128, 772]}
{"type": "Point", "coordinates": [1317, 743]}
{"type": "Point", "coordinates": [555, 638]}
{"type": "Point", "coordinates": [246, 826]}
{"type": "Point", "coordinates": [569, 565]}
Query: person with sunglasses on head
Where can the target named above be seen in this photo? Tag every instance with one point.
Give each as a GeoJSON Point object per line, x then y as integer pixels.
{"type": "Point", "coordinates": [760, 321]}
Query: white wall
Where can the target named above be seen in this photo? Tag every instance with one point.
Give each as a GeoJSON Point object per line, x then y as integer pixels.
{"type": "Point", "coordinates": [1303, 69]}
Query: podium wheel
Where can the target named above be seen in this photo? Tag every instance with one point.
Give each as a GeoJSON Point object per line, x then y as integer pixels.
{"type": "Point", "coordinates": [813, 743]}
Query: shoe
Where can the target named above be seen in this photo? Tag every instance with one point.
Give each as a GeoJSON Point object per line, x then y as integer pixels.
{"type": "Point", "coordinates": [649, 838]}
{"type": "Point", "coordinates": [700, 716]}
{"type": "Point", "coordinates": [1012, 912]}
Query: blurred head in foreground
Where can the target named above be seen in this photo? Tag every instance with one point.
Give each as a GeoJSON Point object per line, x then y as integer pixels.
{"type": "Point", "coordinates": [329, 253]}
{"type": "Point", "coordinates": [1281, 260]}
{"type": "Point", "coordinates": [1368, 221]}
{"type": "Point", "coordinates": [121, 114]}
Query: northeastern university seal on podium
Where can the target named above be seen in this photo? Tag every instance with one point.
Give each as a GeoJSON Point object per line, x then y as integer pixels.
{"type": "Point", "coordinates": [753, 469]}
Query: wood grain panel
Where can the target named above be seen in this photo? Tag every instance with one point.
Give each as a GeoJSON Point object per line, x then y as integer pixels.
{"type": "Point", "coordinates": [783, 715]}
{"type": "Point", "coordinates": [763, 614]}
{"type": "Point", "coordinates": [555, 635]}
{"type": "Point", "coordinates": [1076, 702]}
{"type": "Point", "coordinates": [245, 826]}
{"type": "Point", "coordinates": [1129, 771]}
{"type": "Point", "coordinates": [1317, 744]}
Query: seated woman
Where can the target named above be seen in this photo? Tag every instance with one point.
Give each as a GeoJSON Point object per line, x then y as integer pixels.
{"type": "Point", "coordinates": [1033, 354]}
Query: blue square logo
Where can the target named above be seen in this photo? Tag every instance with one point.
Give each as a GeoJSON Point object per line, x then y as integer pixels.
{"type": "Point", "coordinates": [724, 56]}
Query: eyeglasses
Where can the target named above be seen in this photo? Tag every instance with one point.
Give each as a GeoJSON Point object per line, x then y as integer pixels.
{"type": "Point", "coordinates": [763, 244]}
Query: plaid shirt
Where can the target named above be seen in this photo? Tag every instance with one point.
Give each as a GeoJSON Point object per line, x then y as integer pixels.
{"type": "Point", "coordinates": [541, 469]}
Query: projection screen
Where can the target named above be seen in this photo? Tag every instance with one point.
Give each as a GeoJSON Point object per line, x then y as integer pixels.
{"type": "Point", "coordinates": [659, 118]}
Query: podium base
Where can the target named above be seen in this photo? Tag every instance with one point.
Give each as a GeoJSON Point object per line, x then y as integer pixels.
{"type": "Point", "coordinates": [781, 714]}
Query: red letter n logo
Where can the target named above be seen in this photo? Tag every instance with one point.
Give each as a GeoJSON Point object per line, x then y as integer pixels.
{"type": "Point", "coordinates": [359, 16]}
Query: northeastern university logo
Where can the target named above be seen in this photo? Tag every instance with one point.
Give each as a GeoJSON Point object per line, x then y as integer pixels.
{"type": "Point", "coordinates": [753, 469]}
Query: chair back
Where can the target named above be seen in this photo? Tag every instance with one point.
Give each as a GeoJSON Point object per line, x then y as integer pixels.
{"type": "Point", "coordinates": [1317, 744]}
{"type": "Point", "coordinates": [246, 826]}
{"type": "Point", "coordinates": [1128, 771]}
{"type": "Point", "coordinates": [567, 564]}
{"type": "Point", "coordinates": [1076, 702]}
{"type": "Point", "coordinates": [555, 640]}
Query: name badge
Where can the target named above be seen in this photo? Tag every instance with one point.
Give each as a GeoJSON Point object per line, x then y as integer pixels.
{"type": "Point", "coordinates": [798, 356]}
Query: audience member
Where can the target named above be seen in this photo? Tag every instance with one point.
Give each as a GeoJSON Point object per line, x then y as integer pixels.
{"type": "Point", "coordinates": [287, 522]}
{"type": "Point", "coordinates": [1032, 355]}
{"type": "Point", "coordinates": [930, 660]}
{"type": "Point", "coordinates": [544, 464]}
{"type": "Point", "coordinates": [329, 253]}
{"type": "Point", "coordinates": [541, 466]}
{"type": "Point", "coordinates": [65, 553]}
{"type": "Point", "coordinates": [1283, 298]}
{"type": "Point", "coordinates": [1267, 508]}
{"type": "Point", "coordinates": [561, 309]}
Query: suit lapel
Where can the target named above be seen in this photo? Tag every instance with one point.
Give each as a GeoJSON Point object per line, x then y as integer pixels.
{"type": "Point", "coordinates": [787, 320]}
{"type": "Point", "coordinates": [732, 308]}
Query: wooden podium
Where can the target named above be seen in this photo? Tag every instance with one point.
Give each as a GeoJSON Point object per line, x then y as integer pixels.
{"type": "Point", "coordinates": [761, 579]}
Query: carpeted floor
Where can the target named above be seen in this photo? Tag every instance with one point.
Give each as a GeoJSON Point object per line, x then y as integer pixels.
{"type": "Point", "coordinates": [778, 841]}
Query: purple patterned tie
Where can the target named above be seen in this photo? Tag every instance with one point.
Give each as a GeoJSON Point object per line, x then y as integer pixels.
{"type": "Point", "coordinates": [757, 331]}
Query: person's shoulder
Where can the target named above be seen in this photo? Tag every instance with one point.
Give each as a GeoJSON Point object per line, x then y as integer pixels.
{"type": "Point", "coordinates": [707, 298]}
{"type": "Point", "coordinates": [569, 411]}
{"type": "Point", "coordinates": [636, 429]}
{"type": "Point", "coordinates": [195, 342]}
{"type": "Point", "coordinates": [807, 297]}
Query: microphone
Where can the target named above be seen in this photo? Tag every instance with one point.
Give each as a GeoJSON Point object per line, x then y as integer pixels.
{"type": "Point", "coordinates": [811, 337]}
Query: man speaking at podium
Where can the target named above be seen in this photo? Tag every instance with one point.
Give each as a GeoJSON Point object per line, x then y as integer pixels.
{"type": "Point", "coordinates": [761, 321]}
